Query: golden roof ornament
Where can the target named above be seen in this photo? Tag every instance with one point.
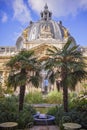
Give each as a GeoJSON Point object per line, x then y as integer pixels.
{"type": "Point", "coordinates": [66, 33]}
{"type": "Point", "coordinates": [25, 34]}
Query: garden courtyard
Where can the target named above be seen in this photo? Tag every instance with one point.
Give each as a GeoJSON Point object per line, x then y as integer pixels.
{"type": "Point", "coordinates": [56, 105]}
{"type": "Point", "coordinates": [34, 103]}
{"type": "Point", "coordinates": [43, 79]}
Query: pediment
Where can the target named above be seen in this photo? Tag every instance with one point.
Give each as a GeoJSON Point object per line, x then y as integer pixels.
{"type": "Point", "coordinates": [41, 50]}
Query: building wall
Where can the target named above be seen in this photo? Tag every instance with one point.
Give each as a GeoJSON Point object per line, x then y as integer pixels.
{"type": "Point", "coordinates": [40, 51]}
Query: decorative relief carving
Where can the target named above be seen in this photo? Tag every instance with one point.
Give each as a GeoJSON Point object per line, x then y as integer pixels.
{"type": "Point", "coordinates": [66, 33]}
{"type": "Point", "coordinates": [25, 34]}
{"type": "Point", "coordinates": [45, 32]}
{"type": "Point", "coordinates": [45, 29]}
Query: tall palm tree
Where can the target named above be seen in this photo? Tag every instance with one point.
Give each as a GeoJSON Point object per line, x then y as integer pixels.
{"type": "Point", "coordinates": [24, 68]}
{"type": "Point", "coordinates": [67, 63]}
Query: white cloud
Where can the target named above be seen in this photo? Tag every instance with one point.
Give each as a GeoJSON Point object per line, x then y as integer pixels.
{"type": "Point", "coordinates": [59, 7]}
{"type": "Point", "coordinates": [4, 17]}
{"type": "Point", "coordinates": [83, 4]}
{"type": "Point", "coordinates": [21, 11]}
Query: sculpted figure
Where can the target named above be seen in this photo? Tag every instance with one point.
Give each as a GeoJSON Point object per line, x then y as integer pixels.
{"type": "Point", "coordinates": [45, 32]}
{"type": "Point", "coordinates": [66, 33]}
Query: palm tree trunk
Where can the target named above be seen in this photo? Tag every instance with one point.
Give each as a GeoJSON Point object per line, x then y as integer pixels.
{"type": "Point", "coordinates": [65, 98]}
{"type": "Point", "coordinates": [21, 97]}
{"type": "Point", "coordinates": [58, 85]}
{"type": "Point", "coordinates": [65, 88]}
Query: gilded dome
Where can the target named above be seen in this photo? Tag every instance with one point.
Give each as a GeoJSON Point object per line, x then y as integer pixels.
{"type": "Point", "coordinates": [45, 28]}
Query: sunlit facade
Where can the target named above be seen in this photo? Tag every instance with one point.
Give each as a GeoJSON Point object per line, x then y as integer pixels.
{"type": "Point", "coordinates": [38, 36]}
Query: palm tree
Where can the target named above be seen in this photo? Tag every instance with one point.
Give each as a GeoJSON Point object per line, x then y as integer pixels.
{"type": "Point", "coordinates": [24, 68]}
{"type": "Point", "coordinates": [67, 63]}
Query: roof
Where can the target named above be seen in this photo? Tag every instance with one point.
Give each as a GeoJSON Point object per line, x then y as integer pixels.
{"type": "Point", "coordinates": [45, 28]}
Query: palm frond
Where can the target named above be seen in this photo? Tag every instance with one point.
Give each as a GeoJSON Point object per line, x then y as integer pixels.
{"type": "Point", "coordinates": [35, 81]}
{"type": "Point", "coordinates": [52, 77]}
{"type": "Point", "coordinates": [74, 48]}
{"type": "Point", "coordinates": [50, 51]}
{"type": "Point", "coordinates": [67, 45]}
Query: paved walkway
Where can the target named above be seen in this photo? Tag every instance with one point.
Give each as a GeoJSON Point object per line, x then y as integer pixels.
{"type": "Point", "coordinates": [49, 127]}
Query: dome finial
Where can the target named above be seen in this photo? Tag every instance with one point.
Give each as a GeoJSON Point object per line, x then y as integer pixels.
{"type": "Point", "coordinates": [46, 6]}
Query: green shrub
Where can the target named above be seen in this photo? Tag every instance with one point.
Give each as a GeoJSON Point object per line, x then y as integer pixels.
{"type": "Point", "coordinates": [57, 112]}
{"type": "Point", "coordinates": [12, 98]}
{"type": "Point", "coordinates": [29, 108]}
{"type": "Point", "coordinates": [72, 95]}
{"type": "Point", "coordinates": [1, 92]}
{"type": "Point", "coordinates": [9, 112]}
{"type": "Point", "coordinates": [78, 110]}
{"type": "Point", "coordinates": [34, 97]}
{"type": "Point", "coordinates": [24, 117]}
{"type": "Point", "coordinates": [78, 117]}
{"type": "Point", "coordinates": [54, 97]}
{"type": "Point", "coordinates": [80, 103]}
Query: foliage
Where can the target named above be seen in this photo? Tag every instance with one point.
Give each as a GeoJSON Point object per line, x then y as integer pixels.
{"type": "Point", "coordinates": [65, 119]}
{"type": "Point", "coordinates": [9, 90]}
{"type": "Point", "coordinates": [72, 96]}
{"type": "Point", "coordinates": [34, 97]}
{"type": "Point", "coordinates": [58, 112]}
{"type": "Point", "coordinates": [85, 86]}
{"type": "Point", "coordinates": [78, 117]}
{"type": "Point", "coordinates": [84, 91]}
{"type": "Point", "coordinates": [42, 109]}
{"type": "Point", "coordinates": [54, 97]}
{"type": "Point", "coordinates": [25, 116]}
{"type": "Point", "coordinates": [21, 66]}
{"type": "Point", "coordinates": [12, 98]}
{"type": "Point", "coordinates": [9, 112]}
{"type": "Point", "coordinates": [1, 92]}
{"type": "Point", "coordinates": [67, 64]}
{"type": "Point", "coordinates": [80, 103]}
{"type": "Point", "coordinates": [77, 112]}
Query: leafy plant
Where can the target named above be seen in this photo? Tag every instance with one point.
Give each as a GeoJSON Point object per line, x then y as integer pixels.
{"type": "Point", "coordinates": [54, 97]}
{"type": "Point", "coordinates": [21, 66]}
{"type": "Point", "coordinates": [80, 104]}
{"type": "Point", "coordinates": [1, 92]}
{"type": "Point", "coordinates": [34, 97]}
{"type": "Point", "coordinates": [68, 64]}
{"type": "Point", "coordinates": [9, 112]}
{"type": "Point", "coordinates": [58, 112]}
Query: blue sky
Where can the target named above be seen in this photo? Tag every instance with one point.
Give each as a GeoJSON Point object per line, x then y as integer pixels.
{"type": "Point", "coordinates": [15, 16]}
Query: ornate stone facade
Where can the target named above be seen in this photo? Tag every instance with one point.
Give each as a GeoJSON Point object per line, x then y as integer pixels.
{"type": "Point", "coordinates": [38, 36]}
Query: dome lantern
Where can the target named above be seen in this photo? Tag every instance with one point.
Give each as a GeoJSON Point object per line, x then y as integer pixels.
{"type": "Point", "coordinates": [46, 14]}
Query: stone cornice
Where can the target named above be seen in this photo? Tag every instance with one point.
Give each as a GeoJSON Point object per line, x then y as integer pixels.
{"type": "Point", "coordinates": [45, 40]}
{"type": "Point", "coordinates": [5, 57]}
